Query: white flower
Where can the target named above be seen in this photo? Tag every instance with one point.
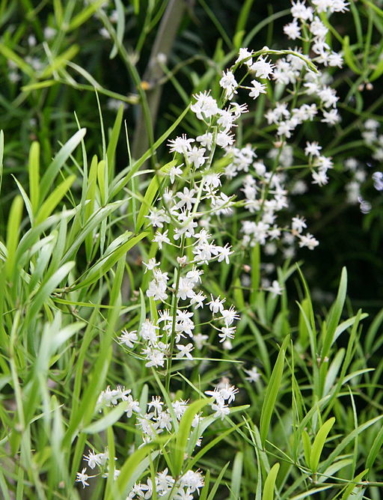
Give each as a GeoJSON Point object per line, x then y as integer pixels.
{"type": "Point", "coordinates": [82, 478]}
{"type": "Point", "coordinates": [205, 106]}
{"type": "Point", "coordinates": [221, 410]}
{"type": "Point", "coordinates": [262, 68]}
{"type": "Point", "coordinates": [227, 332]}
{"type": "Point", "coordinates": [180, 144]}
{"type": "Point", "coordinates": [216, 305]}
{"type": "Point", "coordinates": [257, 88]}
{"type": "Point", "coordinates": [161, 238]}
{"type": "Point", "coordinates": [155, 356]}
{"type": "Point", "coordinates": [298, 224]}
{"type": "Point", "coordinates": [245, 56]}
{"type": "Point", "coordinates": [275, 288]}
{"type": "Point", "coordinates": [196, 156]}
{"type": "Point", "coordinates": [174, 172]}
{"type": "Point", "coordinates": [331, 117]}
{"type": "Point", "coordinates": [312, 148]}
{"type": "Point", "coordinates": [319, 178]}
{"type": "Point", "coordinates": [185, 350]}
{"type": "Point", "coordinates": [292, 30]}
{"type": "Point", "coordinates": [128, 338]}
{"type": "Point", "coordinates": [308, 241]}
{"type": "Point", "coordinates": [186, 198]}
{"type": "Point", "coordinates": [300, 11]}
{"type": "Point", "coordinates": [229, 83]}
{"type": "Point", "coordinates": [253, 374]}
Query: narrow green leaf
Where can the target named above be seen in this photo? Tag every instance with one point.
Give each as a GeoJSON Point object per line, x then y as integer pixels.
{"type": "Point", "coordinates": [349, 438]}
{"type": "Point", "coordinates": [319, 442]}
{"type": "Point", "coordinates": [20, 63]}
{"type": "Point", "coordinates": [27, 201]}
{"type": "Point", "coordinates": [150, 194]}
{"type": "Point", "coordinates": [102, 179]}
{"type": "Point", "coordinates": [124, 177]}
{"type": "Point", "coordinates": [239, 299]}
{"type": "Point", "coordinates": [128, 469]}
{"type": "Point", "coordinates": [120, 27]}
{"type": "Point", "coordinates": [218, 482]}
{"type": "Point", "coordinates": [306, 446]}
{"type": "Point", "coordinates": [255, 272]}
{"type": "Point", "coordinates": [13, 232]}
{"type": "Point", "coordinates": [39, 85]}
{"type": "Point", "coordinates": [347, 494]}
{"type": "Point", "coordinates": [272, 392]}
{"type": "Point", "coordinates": [178, 454]}
{"type": "Point", "coordinates": [83, 16]}
{"type": "Point", "coordinates": [34, 175]}
{"type": "Point", "coordinates": [105, 264]}
{"type": "Point", "coordinates": [378, 71]}
{"type": "Point", "coordinates": [59, 160]}
{"type": "Point", "coordinates": [108, 420]}
{"type": "Point", "coordinates": [269, 487]}
{"type": "Point", "coordinates": [243, 16]}
{"type": "Point", "coordinates": [334, 315]}
{"type": "Point", "coordinates": [54, 199]}
{"type": "Point", "coordinates": [1, 157]}
{"type": "Point", "coordinates": [60, 61]}
{"type": "Point", "coordinates": [309, 493]}
{"type": "Point", "coordinates": [48, 287]}
{"type": "Point", "coordinates": [236, 476]}
{"type": "Point", "coordinates": [349, 56]}
{"type": "Point", "coordinates": [375, 449]}
{"type": "Point", "coordinates": [374, 7]}
{"type": "Point", "coordinates": [113, 140]}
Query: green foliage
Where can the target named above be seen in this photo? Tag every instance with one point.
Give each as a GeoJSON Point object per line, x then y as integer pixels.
{"type": "Point", "coordinates": [75, 248]}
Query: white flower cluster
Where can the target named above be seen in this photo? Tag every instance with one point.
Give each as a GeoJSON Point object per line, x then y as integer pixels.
{"type": "Point", "coordinates": [307, 19]}
{"type": "Point", "coordinates": [373, 140]}
{"type": "Point", "coordinates": [183, 489]}
{"type": "Point", "coordinates": [155, 421]}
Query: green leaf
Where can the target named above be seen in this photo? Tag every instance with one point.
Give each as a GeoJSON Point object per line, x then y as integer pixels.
{"type": "Point", "coordinates": [34, 175]}
{"type": "Point", "coordinates": [334, 316]}
{"type": "Point", "coordinates": [309, 493]}
{"type": "Point", "coordinates": [39, 85]}
{"type": "Point", "coordinates": [54, 199]}
{"type": "Point", "coordinates": [106, 263]}
{"type": "Point", "coordinates": [9, 54]}
{"type": "Point", "coordinates": [272, 392]}
{"type": "Point", "coordinates": [182, 436]}
{"type": "Point", "coordinates": [128, 469]}
{"type": "Point", "coordinates": [83, 16]}
{"type": "Point", "coordinates": [347, 494]}
{"type": "Point", "coordinates": [150, 194]}
{"type": "Point", "coordinates": [108, 420]}
{"type": "Point", "coordinates": [349, 57]}
{"type": "Point", "coordinates": [48, 287]}
{"type": "Point", "coordinates": [124, 177]}
{"type": "Point", "coordinates": [349, 438]}
{"type": "Point", "coordinates": [113, 140]}
{"type": "Point", "coordinates": [236, 476]}
{"type": "Point", "coordinates": [58, 162]}
{"type": "Point", "coordinates": [269, 487]}
{"type": "Point", "coordinates": [120, 27]}
{"type": "Point", "coordinates": [60, 61]}
{"type": "Point", "coordinates": [319, 442]}
{"type": "Point", "coordinates": [378, 71]}
{"type": "Point", "coordinates": [218, 482]}
{"type": "Point", "coordinates": [306, 446]}
{"type": "Point", "coordinates": [375, 449]}
{"type": "Point", "coordinates": [13, 232]}
{"type": "Point", "coordinates": [1, 156]}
